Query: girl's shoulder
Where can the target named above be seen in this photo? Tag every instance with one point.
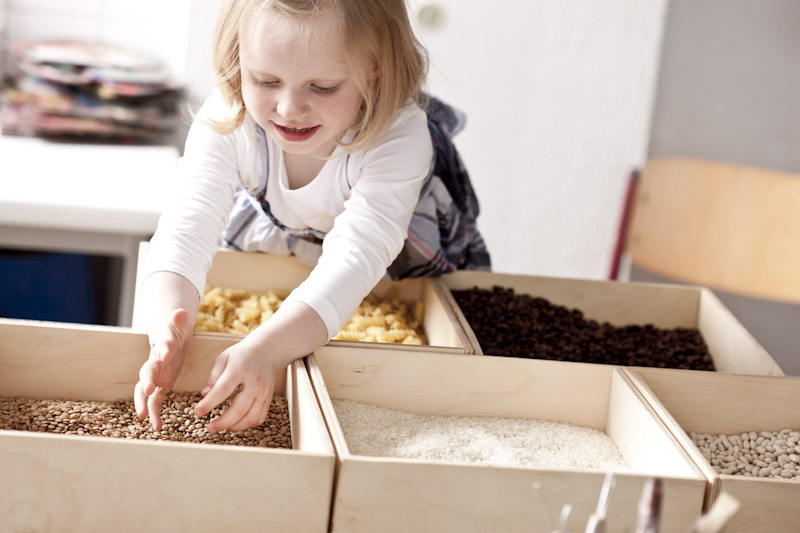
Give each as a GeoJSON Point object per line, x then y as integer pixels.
{"type": "Point", "coordinates": [408, 133]}
{"type": "Point", "coordinates": [410, 118]}
{"type": "Point", "coordinates": [213, 111]}
{"type": "Point", "coordinates": [405, 150]}
{"type": "Point", "coordinates": [239, 152]}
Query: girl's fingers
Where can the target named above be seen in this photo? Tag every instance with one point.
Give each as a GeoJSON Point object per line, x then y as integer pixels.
{"type": "Point", "coordinates": [255, 416]}
{"type": "Point", "coordinates": [234, 415]}
{"type": "Point", "coordinates": [220, 363]}
{"type": "Point", "coordinates": [154, 402]}
{"type": "Point", "coordinates": [140, 400]}
{"type": "Point", "coordinates": [177, 335]}
{"type": "Point", "coordinates": [147, 375]}
{"type": "Point", "coordinates": [220, 389]}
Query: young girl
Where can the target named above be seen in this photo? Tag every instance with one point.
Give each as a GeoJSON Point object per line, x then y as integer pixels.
{"type": "Point", "coordinates": [314, 145]}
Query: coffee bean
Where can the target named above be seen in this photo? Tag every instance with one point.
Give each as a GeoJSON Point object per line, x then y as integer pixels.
{"type": "Point", "coordinates": [521, 325]}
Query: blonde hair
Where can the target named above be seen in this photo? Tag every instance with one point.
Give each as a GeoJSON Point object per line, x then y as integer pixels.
{"type": "Point", "coordinates": [386, 60]}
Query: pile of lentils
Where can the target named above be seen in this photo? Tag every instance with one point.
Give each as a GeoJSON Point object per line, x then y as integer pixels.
{"type": "Point", "coordinates": [766, 454]}
{"type": "Point", "coordinates": [118, 419]}
{"type": "Point", "coordinates": [520, 325]}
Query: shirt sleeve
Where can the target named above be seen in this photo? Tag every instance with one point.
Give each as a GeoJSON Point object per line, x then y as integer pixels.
{"type": "Point", "coordinates": [187, 236]}
{"type": "Point", "coordinates": [371, 230]}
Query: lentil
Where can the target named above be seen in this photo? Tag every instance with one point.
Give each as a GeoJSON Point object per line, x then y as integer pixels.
{"type": "Point", "coordinates": [118, 419]}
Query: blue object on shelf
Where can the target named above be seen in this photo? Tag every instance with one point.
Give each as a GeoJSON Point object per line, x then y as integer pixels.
{"type": "Point", "coordinates": [47, 286]}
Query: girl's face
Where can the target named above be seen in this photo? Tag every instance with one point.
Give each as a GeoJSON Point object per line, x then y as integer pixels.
{"type": "Point", "coordinates": [295, 83]}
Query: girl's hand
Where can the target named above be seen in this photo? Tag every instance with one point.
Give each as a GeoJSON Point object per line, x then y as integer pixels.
{"type": "Point", "coordinates": [168, 345]}
{"type": "Point", "coordinates": [294, 331]}
{"type": "Point", "coordinates": [249, 366]}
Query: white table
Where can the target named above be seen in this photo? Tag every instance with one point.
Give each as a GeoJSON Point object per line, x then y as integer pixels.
{"type": "Point", "coordinates": [83, 198]}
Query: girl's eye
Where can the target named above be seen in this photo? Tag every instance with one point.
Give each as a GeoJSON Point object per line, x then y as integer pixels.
{"type": "Point", "coordinates": [265, 83]}
{"type": "Point", "coordinates": [325, 90]}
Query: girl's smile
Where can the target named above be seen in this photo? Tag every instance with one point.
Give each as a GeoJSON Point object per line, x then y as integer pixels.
{"type": "Point", "coordinates": [295, 134]}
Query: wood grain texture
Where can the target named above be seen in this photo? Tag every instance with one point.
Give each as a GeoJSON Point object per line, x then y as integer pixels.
{"type": "Point", "coordinates": [73, 483]}
{"type": "Point", "coordinates": [733, 349]}
{"type": "Point", "coordinates": [707, 402]}
{"type": "Point", "coordinates": [395, 494]}
{"type": "Point", "coordinates": [724, 226]}
{"type": "Point", "coordinates": [254, 272]}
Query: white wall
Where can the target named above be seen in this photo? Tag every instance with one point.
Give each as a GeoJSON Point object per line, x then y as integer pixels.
{"type": "Point", "coordinates": [558, 95]}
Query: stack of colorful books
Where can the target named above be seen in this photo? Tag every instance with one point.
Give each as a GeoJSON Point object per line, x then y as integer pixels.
{"type": "Point", "coordinates": [76, 90]}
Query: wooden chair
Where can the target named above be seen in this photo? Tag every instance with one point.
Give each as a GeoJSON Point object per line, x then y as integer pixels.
{"type": "Point", "coordinates": [734, 229]}
{"type": "Point", "coordinates": [720, 225]}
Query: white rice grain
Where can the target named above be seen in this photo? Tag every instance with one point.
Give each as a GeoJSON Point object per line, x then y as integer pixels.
{"type": "Point", "coordinates": [379, 432]}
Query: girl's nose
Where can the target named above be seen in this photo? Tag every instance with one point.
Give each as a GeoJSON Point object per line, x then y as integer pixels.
{"type": "Point", "coordinates": [292, 105]}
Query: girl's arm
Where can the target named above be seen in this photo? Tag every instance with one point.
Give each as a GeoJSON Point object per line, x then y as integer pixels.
{"type": "Point", "coordinates": [180, 254]}
{"type": "Point", "coordinates": [294, 331]}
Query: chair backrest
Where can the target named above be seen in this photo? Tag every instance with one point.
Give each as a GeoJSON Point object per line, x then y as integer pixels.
{"type": "Point", "coordinates": [730, 227]}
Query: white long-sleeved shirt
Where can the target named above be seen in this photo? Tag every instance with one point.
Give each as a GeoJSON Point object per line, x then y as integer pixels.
{"type": "Point", "coordinates": [362, 200]}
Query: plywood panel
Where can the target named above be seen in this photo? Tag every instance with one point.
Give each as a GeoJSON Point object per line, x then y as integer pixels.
{"type": "Point", "coordinates": [732, 348]}
{"type": "Point", "coordinates": [396, 494]}
{"type": "Point", "coordinates": [707, 402]}
{"type": "Point", "coordinates": [54, 482]}
{"type": "Point", "coordinates": [720, 225]}
{"type": "Point", "coordinates": [255, 272]}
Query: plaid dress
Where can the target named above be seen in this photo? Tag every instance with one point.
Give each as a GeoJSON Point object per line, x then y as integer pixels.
{"type": "Point", "coordinates": [442, 236]}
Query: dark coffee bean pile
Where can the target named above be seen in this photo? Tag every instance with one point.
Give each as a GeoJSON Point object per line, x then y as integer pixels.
{"type": "Point", "coordinates": [520, 325]}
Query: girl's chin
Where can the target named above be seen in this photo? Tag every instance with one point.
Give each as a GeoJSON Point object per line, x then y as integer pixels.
{"type": "Point", "coordinates": [296, 149]}
{"type": "Point", "coordinates": [306, 148]}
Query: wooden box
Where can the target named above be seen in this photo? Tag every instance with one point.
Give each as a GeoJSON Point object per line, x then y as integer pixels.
{"type": "Point", "coordinates": [718, 404]}
{"type": "Point", "coordinates": [733, 349]}
{"type": "Point", "coordinates": [390, 494]}
{"type": "Point", "coordinates": [260, 272]}
{"type": "Point", "coordinates": [51, 482]}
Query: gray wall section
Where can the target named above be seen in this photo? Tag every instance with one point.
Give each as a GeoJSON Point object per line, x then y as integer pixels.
{"type": "Point", "coordinates": [729, 83]}
{"type": "Point", "coordinates": [729, 89]}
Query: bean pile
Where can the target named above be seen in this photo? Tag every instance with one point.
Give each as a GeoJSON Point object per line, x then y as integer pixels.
{"type": "Point", "coordinates": [765, 454]}
{"type": "Point", "coordinates": [520, 325]}
{"type": "Point", "coordinates": [118, 419]}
